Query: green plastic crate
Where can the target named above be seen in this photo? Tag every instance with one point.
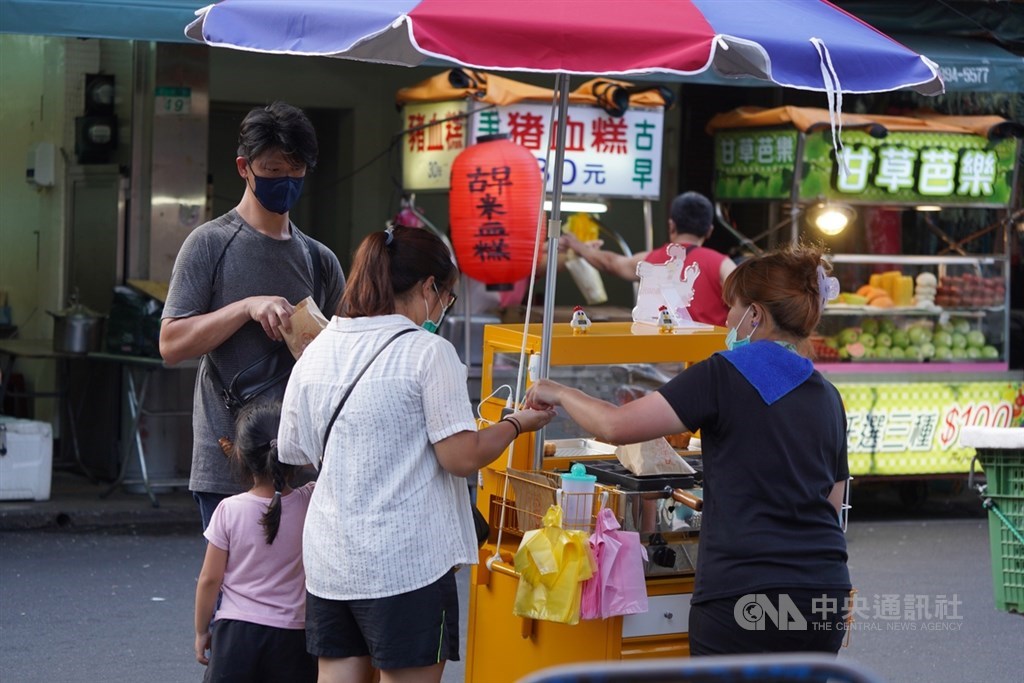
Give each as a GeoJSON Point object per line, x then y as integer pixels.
{"type": "Point", "coordinates": [1004, 476]}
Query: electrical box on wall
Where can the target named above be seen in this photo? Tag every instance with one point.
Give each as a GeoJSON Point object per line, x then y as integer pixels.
{"type": "Point", "coordinates": [39, 168]}
{"type": "Point", "coordinates": [95, 138]}
{"type": "Point", "coordinates": [96, 131]}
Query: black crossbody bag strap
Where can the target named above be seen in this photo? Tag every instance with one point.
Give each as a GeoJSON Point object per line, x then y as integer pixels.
{"type": "Point", "coordinates": [314, 257]}
{"type": "Point", "coordinates": [344, 397]}
{"type": "Point", "coordinates": [213, 283]}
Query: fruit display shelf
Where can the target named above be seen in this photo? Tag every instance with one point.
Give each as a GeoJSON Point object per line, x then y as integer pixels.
{"type": "Point", "coordinates": [851, 309]}
{"type": "Point", "coordinates": [951, 339]}
{"type": "Point", "coordinates": [893, 367]}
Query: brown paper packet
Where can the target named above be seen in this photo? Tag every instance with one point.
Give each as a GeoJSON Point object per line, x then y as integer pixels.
{"type": "Point", "coordinates": [306, 323]}
{"type": "Point", "coordinates": [652, 457]}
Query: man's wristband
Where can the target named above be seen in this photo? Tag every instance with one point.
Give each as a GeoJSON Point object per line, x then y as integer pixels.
{"type": "Point", "coordinates": [515, 425]}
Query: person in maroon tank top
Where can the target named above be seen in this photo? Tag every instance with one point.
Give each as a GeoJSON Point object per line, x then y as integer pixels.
{"type": "Point", "coordinates": [689, 225]}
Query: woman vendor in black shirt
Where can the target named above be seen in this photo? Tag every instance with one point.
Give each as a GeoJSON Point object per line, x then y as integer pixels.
{"type": "Point", "coordinates": [771, 568]}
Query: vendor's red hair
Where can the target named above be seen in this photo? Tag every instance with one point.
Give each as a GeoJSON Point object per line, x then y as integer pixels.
{"type": "Point", "coordinates": [785, 282]}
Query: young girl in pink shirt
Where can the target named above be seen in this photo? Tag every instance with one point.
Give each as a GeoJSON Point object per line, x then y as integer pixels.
{"type": "Point", "coordinates": [254, 560]}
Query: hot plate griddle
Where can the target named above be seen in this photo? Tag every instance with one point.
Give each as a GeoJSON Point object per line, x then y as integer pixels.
{"type": "Point", "coordinates": [612, 472]}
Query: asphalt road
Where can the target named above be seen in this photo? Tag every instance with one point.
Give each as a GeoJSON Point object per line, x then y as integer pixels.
{"type": "Point", "coordinates": [104, 606]}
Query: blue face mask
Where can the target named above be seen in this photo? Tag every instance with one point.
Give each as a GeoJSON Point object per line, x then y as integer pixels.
{"type": "Point", "coordinates": [277, 194]}
{"type": "Point", "coordinates": [731, 342]}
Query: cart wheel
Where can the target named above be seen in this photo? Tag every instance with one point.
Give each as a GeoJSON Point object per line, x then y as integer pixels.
{"type": "Point", "coordinates": [913, 494]}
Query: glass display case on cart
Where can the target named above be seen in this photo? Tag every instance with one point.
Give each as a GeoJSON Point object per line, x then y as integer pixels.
{"type": "Point", "coordinates": [617, 361]}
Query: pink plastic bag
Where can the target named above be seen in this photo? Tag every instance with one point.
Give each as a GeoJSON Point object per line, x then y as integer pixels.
{"type": "Point", "coordinates": [618, 585]}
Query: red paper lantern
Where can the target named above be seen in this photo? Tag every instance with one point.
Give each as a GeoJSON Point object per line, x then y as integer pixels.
{"type": "Point", "coordinates": [495, 199]}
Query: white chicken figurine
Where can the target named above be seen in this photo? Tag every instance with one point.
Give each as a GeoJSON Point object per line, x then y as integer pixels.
{"type": "Point", "coordinates": [580, 323]}
{"type": "Point", "coordinates": [665, 322]}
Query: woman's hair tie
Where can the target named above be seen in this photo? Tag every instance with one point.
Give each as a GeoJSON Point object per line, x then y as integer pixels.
{"type": "Point", "coordinates": [390, 232]}
{"type": "Point", "coordinates": [277, 494]}
{"type": "Point", "coordinates": [828, 287]}
{"type": "Point", "coordinates": [272, 445]}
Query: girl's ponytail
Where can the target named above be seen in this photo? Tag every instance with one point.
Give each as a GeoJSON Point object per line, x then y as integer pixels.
{"type": "Point", "coordinates": [256, 457]}
{"type": "Point", "coordinates": [271, 519]}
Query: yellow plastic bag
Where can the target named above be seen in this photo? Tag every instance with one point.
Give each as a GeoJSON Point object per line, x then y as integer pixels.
{"type": "Point", "coordinates": [553, 564]}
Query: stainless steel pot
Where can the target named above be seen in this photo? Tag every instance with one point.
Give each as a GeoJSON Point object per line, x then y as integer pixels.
{"type": "Point", "coordinates": [77, 329]}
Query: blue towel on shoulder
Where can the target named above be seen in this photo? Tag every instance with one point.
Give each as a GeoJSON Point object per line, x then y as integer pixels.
{"type": "Point", "coordinates": [770, 368]}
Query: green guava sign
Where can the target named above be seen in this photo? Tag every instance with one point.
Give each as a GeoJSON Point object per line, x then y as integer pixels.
{"type": "Point", "coordinates": [900, 168]}
{"type": "Point", "coordinates": [903, 167]}
{"type": "Point", "coordinates": [755, 164]}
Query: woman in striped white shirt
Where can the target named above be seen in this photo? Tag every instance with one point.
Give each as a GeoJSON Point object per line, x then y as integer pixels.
{"type": "Point", "coordinates": [390, 518]}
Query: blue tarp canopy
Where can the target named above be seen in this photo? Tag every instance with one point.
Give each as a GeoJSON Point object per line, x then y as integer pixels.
{"type": "Point", "coordinates": [159, 20]}
{"type": "Point", "coordinates": [968, 64]}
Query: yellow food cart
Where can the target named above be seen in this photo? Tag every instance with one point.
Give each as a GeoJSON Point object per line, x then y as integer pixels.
{"type": "Point", "coordinates": [608, 359]}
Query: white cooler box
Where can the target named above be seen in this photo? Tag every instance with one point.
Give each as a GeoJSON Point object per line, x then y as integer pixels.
{"type": "Point", "coordinates": [26, 459]}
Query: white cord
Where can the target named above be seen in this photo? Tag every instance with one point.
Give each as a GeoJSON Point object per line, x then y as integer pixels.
{"type": "Point", "coordinates": [834, 93]}
{"type": "Point", "coordinates": [508, 403]}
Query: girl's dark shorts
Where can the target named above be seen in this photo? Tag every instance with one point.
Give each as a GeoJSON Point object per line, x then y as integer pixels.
{"type": "Point", "coordinates": [414, 629]}
{"type": "Point", "coordinates": [243, 651]}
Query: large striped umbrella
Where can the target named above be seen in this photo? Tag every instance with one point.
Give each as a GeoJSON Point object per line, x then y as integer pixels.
{"type": "Point", "coordinates": [806, 44]}
{"type": "Point", "coordinates": [795, 43]}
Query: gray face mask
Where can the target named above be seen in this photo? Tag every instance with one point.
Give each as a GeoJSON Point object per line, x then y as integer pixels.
{"type": "Point", "coordinates": [731, 342]}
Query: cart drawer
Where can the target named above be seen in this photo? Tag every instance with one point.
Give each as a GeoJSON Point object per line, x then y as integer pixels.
{"type": "Point", "coordinates": [665, 614]}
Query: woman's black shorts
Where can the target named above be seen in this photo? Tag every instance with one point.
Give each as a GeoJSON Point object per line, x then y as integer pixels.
{"type": "Point", "coordinates": [414, 629]}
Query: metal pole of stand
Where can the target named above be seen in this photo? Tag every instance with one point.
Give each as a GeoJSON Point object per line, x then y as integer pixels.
{"type": "Point", "coordinates": [554, 227]}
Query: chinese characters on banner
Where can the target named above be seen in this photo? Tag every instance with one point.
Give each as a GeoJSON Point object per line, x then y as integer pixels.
{"type": "Point", "coordinates": [429, 150]}
{"type": "Point", "coordinates": [915, 428]}
{"type": "Point", "coordinates": [903, 167]}
{"type": "Point", "coordinates": [755, 164]}
{"type": "Point", "coordinates": [604, 156]}
{"type": "Point", "coordinates": [935, 167]}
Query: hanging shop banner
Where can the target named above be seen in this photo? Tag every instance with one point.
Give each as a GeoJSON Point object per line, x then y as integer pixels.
{"type": "Point", "coordinates": [605, 156]}
{"type": "Point", "coordinates": [755, 164]}
{"type": "Point", "coordinates": [437, 133]}
{"type": "Point", "coordinates": [903, 167]}
{"type": "Point", "coordinates": [914, 428]}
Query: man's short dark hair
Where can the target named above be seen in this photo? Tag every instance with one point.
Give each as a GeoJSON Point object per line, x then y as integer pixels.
{"type": "Point", "coordinates": [692, 213]}
{"type": "Point", "coordinates": [279, 126]}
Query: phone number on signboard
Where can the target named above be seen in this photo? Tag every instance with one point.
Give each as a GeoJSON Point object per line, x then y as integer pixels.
{"type": "Point", "coordinates": [968, 74]}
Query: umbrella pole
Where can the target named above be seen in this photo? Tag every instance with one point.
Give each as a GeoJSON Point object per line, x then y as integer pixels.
{"type": "Point", "coordinates": [554, 228]}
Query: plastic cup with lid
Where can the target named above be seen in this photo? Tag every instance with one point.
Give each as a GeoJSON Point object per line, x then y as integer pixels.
{"type": "Point", "coordinates": [577, 498]}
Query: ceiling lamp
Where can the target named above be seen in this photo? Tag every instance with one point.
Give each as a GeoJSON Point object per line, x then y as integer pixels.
{"type": "Point", "coordinates": [832, 219]}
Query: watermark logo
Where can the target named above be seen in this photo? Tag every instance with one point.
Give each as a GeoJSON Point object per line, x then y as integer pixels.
{"type": "Point", "coordinates": [886, 612]}
{"type": "Point", "coordinates": [754, 610]}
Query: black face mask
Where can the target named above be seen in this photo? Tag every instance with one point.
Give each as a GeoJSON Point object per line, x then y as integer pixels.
{"type": "Point", "coordinates": [277, 194]}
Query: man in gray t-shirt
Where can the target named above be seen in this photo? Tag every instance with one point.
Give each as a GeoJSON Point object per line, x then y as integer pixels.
{"type": "Point", "coordinates": [236, 280]}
